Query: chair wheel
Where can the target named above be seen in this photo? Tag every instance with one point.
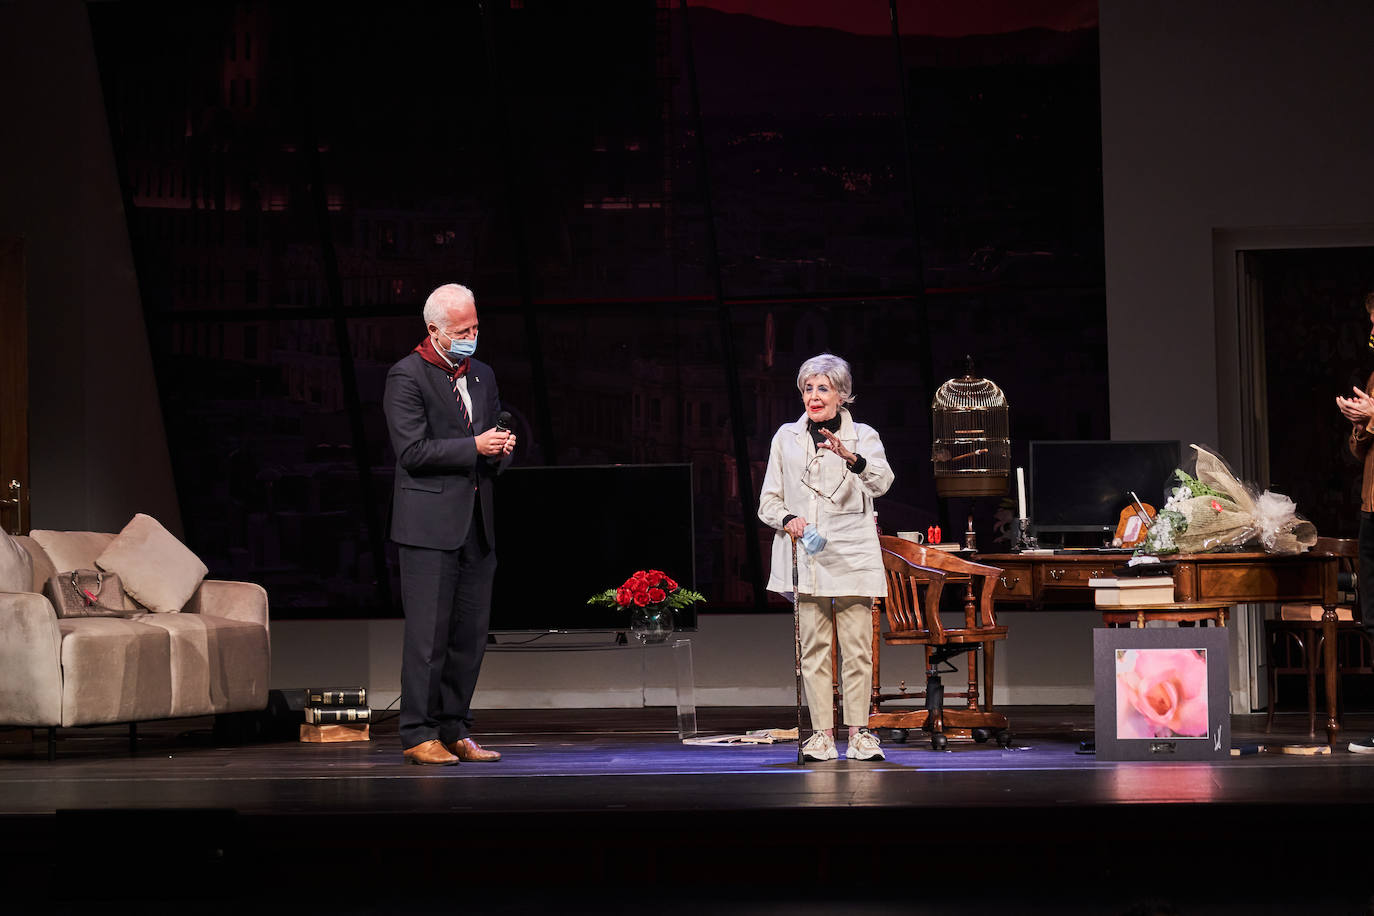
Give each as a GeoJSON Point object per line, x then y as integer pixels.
{"type": "Point", "coordinates": [938, 742]}
{"type": "Point", "coordinates": [1004, 738]}
{"type": "Point", "coordinates": [897, 736]}
{"type": "Point", "coordinates": [980, 735]}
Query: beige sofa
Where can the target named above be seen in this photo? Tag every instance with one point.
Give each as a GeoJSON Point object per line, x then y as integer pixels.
{"type": "Point", "coordinates": [212, 657]}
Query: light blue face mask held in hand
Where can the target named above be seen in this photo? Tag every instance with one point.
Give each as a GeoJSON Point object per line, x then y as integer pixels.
{"type": "Point", "coordinates": [811, 540]}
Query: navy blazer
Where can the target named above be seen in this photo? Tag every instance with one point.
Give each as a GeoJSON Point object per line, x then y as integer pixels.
{"type": "Point", "coordinates": [437, 463]}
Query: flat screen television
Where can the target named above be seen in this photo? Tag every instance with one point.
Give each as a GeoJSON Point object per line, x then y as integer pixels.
{"type": "Point", "coordinates": [1082, 486]}
{"type": "Point", "coordinates": [565, 533]}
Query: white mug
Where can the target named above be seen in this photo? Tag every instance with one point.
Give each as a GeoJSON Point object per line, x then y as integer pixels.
{"type": "Point", "coordinates": [918, 537]}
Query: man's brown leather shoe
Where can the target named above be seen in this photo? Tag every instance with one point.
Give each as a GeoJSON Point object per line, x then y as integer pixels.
{"type": "Point", "coordinates": [470, 751]}
{"type": "Point", "coordinates": [430, 753]}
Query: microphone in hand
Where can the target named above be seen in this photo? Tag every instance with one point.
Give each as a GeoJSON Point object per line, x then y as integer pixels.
{"type": "Point", "coordinates": [503, 426]}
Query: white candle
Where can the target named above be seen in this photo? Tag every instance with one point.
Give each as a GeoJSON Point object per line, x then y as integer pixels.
{"type": "Point", "coordinates": [1021, 492]}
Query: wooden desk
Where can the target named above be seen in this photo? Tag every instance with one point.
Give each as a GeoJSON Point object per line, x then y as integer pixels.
{"type": "Point", "coordinates": [1061, 581]}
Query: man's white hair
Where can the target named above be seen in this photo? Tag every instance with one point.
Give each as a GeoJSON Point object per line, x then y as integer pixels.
{"type": "Point", "coordinates": [833, 368]}
{"type": "Point", "coordinates": [445, 299]}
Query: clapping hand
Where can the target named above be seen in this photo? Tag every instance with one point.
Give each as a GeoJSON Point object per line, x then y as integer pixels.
{"type": "Point", "coordinates": [1358, 409]}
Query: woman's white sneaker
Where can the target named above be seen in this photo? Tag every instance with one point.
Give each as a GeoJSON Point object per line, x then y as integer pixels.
{"type": "Point", "coordinates": [819, 746]}
{"type": "Point", "coordinates": [864, 746]}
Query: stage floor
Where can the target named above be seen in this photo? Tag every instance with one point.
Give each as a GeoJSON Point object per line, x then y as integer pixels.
{"type": "Point", "coordinates": [590, 799]}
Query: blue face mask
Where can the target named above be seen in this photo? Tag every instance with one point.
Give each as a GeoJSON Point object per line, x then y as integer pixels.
{"type": "Point", "coordinates": [811, 540]}
{"type": "Point", "coordinates": [461, 349]}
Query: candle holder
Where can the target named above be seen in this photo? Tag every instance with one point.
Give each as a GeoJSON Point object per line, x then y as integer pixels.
{"type": "Point", "coordinates": [1023, 539]}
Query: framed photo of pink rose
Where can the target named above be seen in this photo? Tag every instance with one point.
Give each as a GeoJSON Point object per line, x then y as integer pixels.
{"type": "Point", "coordinates": [1161, 693]}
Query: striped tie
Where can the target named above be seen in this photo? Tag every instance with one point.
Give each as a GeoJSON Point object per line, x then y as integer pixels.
{"type": "Point", "coordinates": [462, 406]}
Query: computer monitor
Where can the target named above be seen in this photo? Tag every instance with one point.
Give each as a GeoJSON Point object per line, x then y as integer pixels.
{"type": "Point", "coordinates": [1082, 486]}
{"type": "Point", "coordinates": [564, 534]}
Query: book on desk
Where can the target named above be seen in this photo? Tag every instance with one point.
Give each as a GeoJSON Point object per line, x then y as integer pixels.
{"type": "Point", "coordinates": [1112, 591]}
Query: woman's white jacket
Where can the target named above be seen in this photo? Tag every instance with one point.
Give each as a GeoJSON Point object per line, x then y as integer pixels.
{"type": "Point", "coordinates": [834, 499]}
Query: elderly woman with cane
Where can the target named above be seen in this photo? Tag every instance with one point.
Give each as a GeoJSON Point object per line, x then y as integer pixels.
{"type": "Point", "coordinates": [824, 471]}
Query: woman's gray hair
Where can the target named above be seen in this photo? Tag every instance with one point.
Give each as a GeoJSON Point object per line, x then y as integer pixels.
{"type": "Point", "coordinates": [833, 368]}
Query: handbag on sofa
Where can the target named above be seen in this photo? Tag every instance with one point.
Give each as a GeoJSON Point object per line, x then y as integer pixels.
{"type": "Point", "coordinates": [78, 594]}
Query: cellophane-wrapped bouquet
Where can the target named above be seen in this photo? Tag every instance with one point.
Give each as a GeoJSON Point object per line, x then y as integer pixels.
{"type": "Point", "coordinates": [1212, 509]}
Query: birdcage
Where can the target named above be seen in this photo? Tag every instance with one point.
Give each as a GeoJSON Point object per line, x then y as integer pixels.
{"type": "Point", "coordinates": [971, 446]}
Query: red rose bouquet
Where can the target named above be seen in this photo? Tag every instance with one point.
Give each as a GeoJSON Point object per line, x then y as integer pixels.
{"type": "Point", "coordinates": [647, 588]}
{"type": "Point", "coordinates": [651, 596]}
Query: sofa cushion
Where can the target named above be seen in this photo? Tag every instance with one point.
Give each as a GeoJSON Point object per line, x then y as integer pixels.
{"type": "Point", "coordinates": [43, 570]}
{"type": "Point", "coordinates": [16, 566]}
{"type": "Point", "coordinates": [218, 664]}
{"type": "Point", "coordinates": [114, 670]}
{"type": "Point", "coordinates": [157, 570]}
{"type": "Point", "coordinates": [71, 549]}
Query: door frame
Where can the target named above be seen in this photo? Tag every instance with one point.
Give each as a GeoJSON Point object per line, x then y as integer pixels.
{"type": "Point", "coordinates": [14, 388]}
{"type": "Point", "coordinates": [1242, 395]}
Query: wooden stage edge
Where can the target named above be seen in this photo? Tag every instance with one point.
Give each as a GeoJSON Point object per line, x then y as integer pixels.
{"type": "Point", "coordinates": [591, 802]}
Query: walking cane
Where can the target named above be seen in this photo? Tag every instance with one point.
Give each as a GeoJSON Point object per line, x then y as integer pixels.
{"type": "Point", "coordinates": [796, 632]}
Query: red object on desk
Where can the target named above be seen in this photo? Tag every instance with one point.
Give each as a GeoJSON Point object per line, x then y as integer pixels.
{"type": "Point", "coordinates": [933, 534]}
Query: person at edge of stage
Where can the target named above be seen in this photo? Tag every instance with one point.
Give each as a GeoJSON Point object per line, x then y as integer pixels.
{"type": "Point", "coordinates": [441, 407]}
{"type": "Point", "coordinates": [824, 471]}
{"type": "Point", "coordinates": [1359, 410]}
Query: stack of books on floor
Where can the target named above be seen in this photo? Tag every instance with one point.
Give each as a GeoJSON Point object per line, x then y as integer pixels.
{"type": "Point", "coordinates": [336, 714]}
{"type": "Point", "coordinates": [1118, 591]}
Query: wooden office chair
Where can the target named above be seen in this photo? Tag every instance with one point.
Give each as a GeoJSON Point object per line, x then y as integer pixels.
{"type": "Point", "coordinates": [916, 579]}
{"type": "Point", "coordinates": [1296, 646]}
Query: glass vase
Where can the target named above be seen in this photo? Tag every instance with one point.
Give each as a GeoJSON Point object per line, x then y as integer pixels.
{"type": "Point", "coordinates": [651, 623]}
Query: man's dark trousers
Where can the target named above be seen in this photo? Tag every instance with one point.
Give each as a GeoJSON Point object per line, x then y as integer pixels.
{"type": "Point", "coordinates": [447, 600]}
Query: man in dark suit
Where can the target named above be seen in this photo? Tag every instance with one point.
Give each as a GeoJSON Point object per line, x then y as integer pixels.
{"type": "Point", "coordinates": [441, 407]}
